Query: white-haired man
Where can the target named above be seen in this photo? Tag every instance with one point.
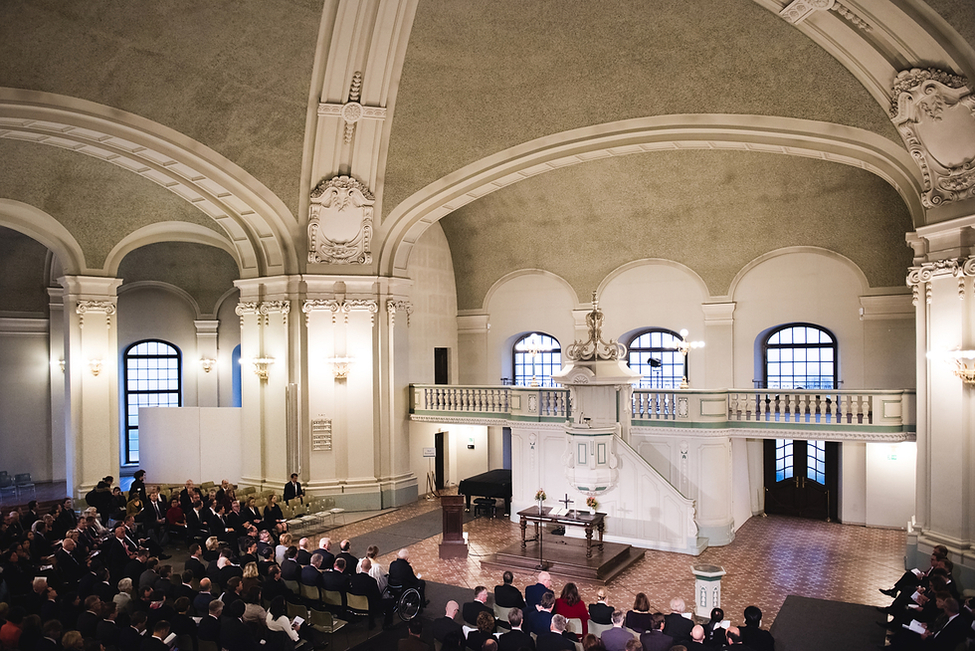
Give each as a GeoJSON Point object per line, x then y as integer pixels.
{"type": "Point", "coordinates": [401, 575]}
{"type": "Point", "coordinates": [678, 624]}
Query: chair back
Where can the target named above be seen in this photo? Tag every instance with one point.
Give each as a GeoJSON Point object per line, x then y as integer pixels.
{"type": "Point", "coordinates": [574, 625]}
{"type": "Point", "coordinates": [322, 620]}
{"type": "Point", "coordinates": [297, 610]}
{"type": "Point", "coordinates": [500, 612]}
{"type": "Point", "coordinates": [292, 585]}
{"type": "Point", "coordinates": [309, 592]}
{"type": "Point", "coordinates": [597, 629]}
{"type": "Point", "coordinates": [358, 604]}
{"type": "Point", "coordinates": [332, 598]}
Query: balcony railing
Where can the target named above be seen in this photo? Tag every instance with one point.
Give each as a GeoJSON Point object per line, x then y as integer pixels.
{"type": "Point", "coordinates": [883, 414]}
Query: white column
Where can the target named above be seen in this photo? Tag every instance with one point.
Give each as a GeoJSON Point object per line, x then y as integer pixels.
{"type": "Point", "coordinates": [92, 389]}
{"type": "Point", "coordinates": [59, 444]}
{"type": "Point", "coordinates": [943, 293]}
{"type": "Point", "coordinates": [205, 366]}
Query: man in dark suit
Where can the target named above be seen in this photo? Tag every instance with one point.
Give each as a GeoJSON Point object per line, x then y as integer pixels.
{"type": "Point", "coordinates": [351, 561]}
{"type": "Point", "coordinates": [516, 638]}
{"type": "Point", "coordinates": [677, 626]}
{"type": "Point", "coordinates": [118, 554]}
{"type": "Point", "coordinates": [553, 640]}
{"type": "Point", "coordinates": [533, 593]}
{"type": "Point", "coordinates": [274, 586]}
{"type": "Point", "coordinates": [304, 556]}
{"type": "Point", "coordinates": [155, 641]}
{"type": "Point", "coordinates": [203, 598]}
{"type": "Point", "coordinates": [290, 570]}
{"type": "Point", "coordinates": [600, 612]}
{"type": "Point", "coordinates": [293, 490]}
{"type": "Point", "coordinates": [443, 625]}
{"type": "Point", "coordinates": [752, 634]}
{"type": "Point", "coordinates": [51, 641]}
{"type": "Point", "coordinates": [363, 585]}
{"type": "Point", "coordinates": [69, 569]}
{"type": "Point", "coordinates": [507, 595]}
{"type": "Point", "coordinates": [130, 637]}
{"type": "Point", "coordinates": [336, 579]}
{"type": "Point", "coordinates": [185, 588]}
{"type": "Point", "coordinates": [540, 621]}
{"type": "Point", "coordinates": [154, 520]}
{"type": "Point", "coordinates": [209, 627]}
{"type": "Point", "coordinates": [474, 608]}
{"type": "Point", "coordinates": [655, 639]}
{"type": "Point", "coordinates": [401, 574]}
{"type": "Point", "coordinates": [324, 548]}
{"type": "Point", "coordinates": [107, 631]}
{"type": "Point", "coordinates": [615, 639]}
{"type": "Point", "coordinates": [234, 633]}
{"type": "Point", "coordinates": [412, 641]}
{"type": "Point", "coordinates": [311, 574]}
{"type": "Point", "coordinates": [88, 620]}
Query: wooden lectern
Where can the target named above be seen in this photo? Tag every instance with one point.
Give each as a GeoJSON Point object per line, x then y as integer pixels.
{"type": "Point", "coordinates": [453, 545]}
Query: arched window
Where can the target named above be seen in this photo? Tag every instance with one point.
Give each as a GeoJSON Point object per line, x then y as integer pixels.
{"type": "Point", "coordinates": [800, 356]}
{"type": "Point", "coordinates": [152, 379]}
{"type": "Point", "coordinates": [653, 354]}
{"type": "Point", "coordinates": [536, 356]}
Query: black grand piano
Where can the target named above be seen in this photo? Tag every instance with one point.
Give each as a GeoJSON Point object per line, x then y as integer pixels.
{"type": "Point", "coordinates": [493, 483]}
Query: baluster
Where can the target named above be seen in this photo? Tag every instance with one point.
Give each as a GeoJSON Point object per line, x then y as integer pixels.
{"type": "Point", "coordinates": [802, 415]}
{"type": "Point", "coordinates": [790, 407]}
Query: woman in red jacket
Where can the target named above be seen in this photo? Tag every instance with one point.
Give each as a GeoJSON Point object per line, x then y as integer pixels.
{"type": "Point", "coordinates": [570, 606]}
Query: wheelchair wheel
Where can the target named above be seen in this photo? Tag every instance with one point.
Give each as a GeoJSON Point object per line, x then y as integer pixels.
{"type": "Point", "coordinates": [409, 604]}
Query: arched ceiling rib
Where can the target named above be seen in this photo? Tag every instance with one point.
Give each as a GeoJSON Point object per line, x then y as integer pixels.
{"type": "Point", "coordinates": [256, 221]}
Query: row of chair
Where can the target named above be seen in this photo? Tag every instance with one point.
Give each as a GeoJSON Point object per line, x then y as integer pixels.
{"type": "Point", "coordinates": [574, 624]}
{"type": "Point", "coordinates": [16, 487]}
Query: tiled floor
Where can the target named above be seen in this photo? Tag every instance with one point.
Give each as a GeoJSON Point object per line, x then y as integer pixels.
{"type": "Point", "coordinates": [770, 559]}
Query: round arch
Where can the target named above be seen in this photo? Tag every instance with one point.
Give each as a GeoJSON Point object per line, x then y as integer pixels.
{"type": "Point", "coordinates": [167, 232]}
{"type": "Point", "coordinates": [258, 224]}
{"type": "Point", "coordinates": [773, 135]}
{"type": "Point", "coordinates": [44, 228]}
{"type": "Point", "coordinates": [815, 250]}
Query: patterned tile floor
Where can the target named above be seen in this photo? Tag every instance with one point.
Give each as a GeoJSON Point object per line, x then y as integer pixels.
{"type": "Point", "coordinates": [769, 559]}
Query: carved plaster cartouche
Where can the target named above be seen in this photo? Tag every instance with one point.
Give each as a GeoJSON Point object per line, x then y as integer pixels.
{"type": "Point", "coordinates": [934, 111]}
{"type": "Point", "coordinates": [340, 223]}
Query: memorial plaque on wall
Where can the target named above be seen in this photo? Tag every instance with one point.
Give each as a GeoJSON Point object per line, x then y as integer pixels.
{"type": "Point", "coordinates": [321, 434]}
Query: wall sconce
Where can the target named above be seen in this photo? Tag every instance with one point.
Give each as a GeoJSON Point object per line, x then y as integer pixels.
{"type": "Point", "coordinates": [340, 366]}
{"type": "Point", "coordinates": [59, 363]}
{"type": "Point", "coordinates": [683, 346]}
{"type": "Point", "coordinates": [208, 363]}
{"type": "Point", "coordinates": [963, 361]}
{"type": "Point", "coordinates": [261, 365]}
{"type": "Point", "coordinates": [95, 366]}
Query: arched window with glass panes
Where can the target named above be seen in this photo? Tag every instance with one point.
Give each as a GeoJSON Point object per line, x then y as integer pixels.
{"type": "Point", "coordinates": [653, 354]}
{"type": "Point", "coordinates": [800, 356]}
{"type": "Point", "coordinates": [536, 357]}
{"type": "Point", "coordinates": [152, 379]}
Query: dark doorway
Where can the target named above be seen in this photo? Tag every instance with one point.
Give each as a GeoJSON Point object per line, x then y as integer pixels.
{"type": "Point", "coordinates": [802, 478]}
{"type": "Point", "coordinates": [441, 366]}
{"type": "Point", "coordinates": [438, 464]}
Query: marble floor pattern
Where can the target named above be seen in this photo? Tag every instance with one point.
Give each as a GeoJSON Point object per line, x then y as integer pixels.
{"type": "Point", "coordinates": [769, 559]}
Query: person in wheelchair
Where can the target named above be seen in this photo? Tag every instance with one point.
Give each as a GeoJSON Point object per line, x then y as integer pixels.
{"type": "Point", "coordinates": [401, 576]}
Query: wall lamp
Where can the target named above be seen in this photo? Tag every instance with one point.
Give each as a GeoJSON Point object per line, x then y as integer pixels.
{"type": "Point", "coordinates": [261, 365]}
{"type": "Point", "coordinates": [208, 364]}
{"type": "Point", "coordinates": [964, 361]}
{"type": "Point", "coordinates": [340, 367]}
{"type": "Point", "coordinates": [683, 346]}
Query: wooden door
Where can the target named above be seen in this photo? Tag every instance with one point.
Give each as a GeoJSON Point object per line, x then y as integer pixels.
{"type": "Point", "coordinates": [801, 478]}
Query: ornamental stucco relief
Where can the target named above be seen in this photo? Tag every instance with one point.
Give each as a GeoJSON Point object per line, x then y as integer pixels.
{"type": "Point", "coordinates": [934, 111]}
{"type": "Point", "coordinates": [340, 223]}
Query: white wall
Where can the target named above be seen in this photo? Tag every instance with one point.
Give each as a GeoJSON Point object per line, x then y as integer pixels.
{"type": "Point", "coordinates": [434, 298]}
{"type": "Point", "coordinates": [25, 399]}
{"type": "Point", "coordinates": [180, 443]}
{"type": "Point", "coordinates": [890, 477]}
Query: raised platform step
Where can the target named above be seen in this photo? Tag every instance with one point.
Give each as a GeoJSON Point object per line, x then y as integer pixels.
{"type": "Point", "coordinates": [566, 557]}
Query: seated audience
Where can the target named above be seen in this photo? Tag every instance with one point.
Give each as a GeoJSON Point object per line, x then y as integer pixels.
{"type": "Point", "coordinates": [615, 639]}
{"type": "Point", "coordinates": [752, 634]}
{"type": "Point", "coordinates": [570, 606]}
{"type": "Point", "coordinates": [553, 639]}
{"type": "Point", "coordinates": [678, 624]}
{"type": "Point", "coordinates": [640, 619]}
{"type": "Point", "coordinates": [474, 608]}
{"type": "Point", "coordinates": [654, 639]}
{"type": "Point", "coordinates": [483, 631]}
{"type": "Point", "coordinates": [507, 595]}
{"type": "Point", "coordinates": [516, 638]}
{"type": "Point", "coordinates": [601, 612]}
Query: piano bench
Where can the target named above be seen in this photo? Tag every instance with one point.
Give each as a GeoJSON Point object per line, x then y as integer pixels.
{"type": "Point", "coordinates": [485, 505]}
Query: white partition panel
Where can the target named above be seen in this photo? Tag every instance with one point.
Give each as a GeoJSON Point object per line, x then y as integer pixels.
{"type": "Point", "coordinates": [198, 443]}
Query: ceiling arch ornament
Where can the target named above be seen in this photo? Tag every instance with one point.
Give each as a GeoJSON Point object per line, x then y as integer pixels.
{"type": "Point", "coordinates": [38, 225]}
{"type": "Point", "coordinates": [751, 133]}
{"type": "Point", "coordinates": [340, 222]}
{"type": "Point", "coordinates": [256, 221]}
{"type": "Point", "coordinates": [874, 38]}
{"type": "Point", "coordinates": [166, 232]}
{"type": "Point", "coordinates": [934, 111]}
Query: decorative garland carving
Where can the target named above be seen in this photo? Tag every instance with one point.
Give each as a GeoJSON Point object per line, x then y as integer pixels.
{"type": "Point", "coordinates": [595, 348]}
{"type": "Point", "coordinates": [352, 111]}
{"type": "Point", "coordinates": [934, 111]}
{"type": "Point", "coordinates": [393, 305]}
{"type": "Point", "coordinates": [798, 10]}
{"type": "Point", "coordinates": [924, 273]}
{"type": "Point", "coordinates": [245, 308]}
{"type": "Point", "coordinates": [345, 307]}
{"type": "Point", "coordinates": [107, 308]}
{"type": "Point", "coordinates": [340, 223]}
{"type": "Point", "coordinates": [275, 307]}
